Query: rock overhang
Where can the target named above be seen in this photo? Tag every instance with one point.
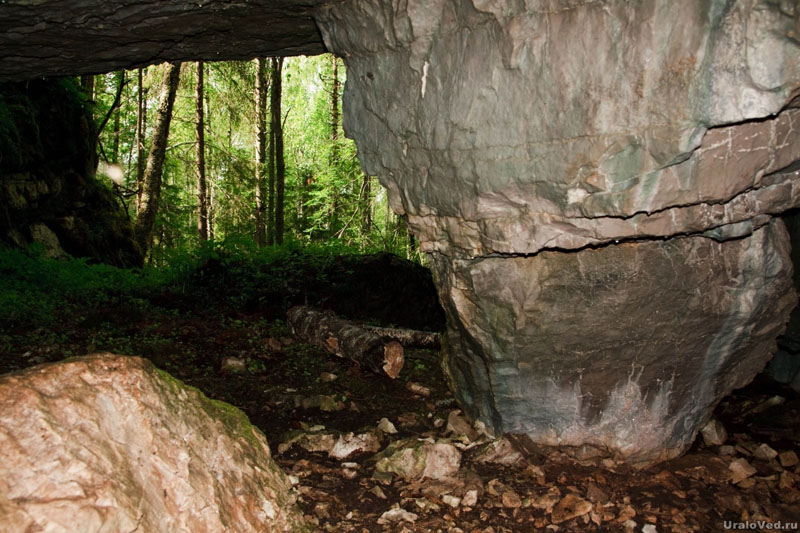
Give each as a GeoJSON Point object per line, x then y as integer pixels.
{"type": "Point", "coordinates": [560, 125]}
{"type": "Point", "coordinates": [58, 37]}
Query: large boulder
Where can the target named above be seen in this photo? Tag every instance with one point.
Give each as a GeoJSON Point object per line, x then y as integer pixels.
{"type": "Point", "coordinates": [110, 443]}
{"type": "Point", "coordinates": [627, 348]}
{"type": "Point", "coordinates": [597, 183]}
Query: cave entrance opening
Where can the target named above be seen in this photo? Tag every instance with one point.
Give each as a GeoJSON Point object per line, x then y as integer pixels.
{"type": "Point", "coordinates": [255, 150]}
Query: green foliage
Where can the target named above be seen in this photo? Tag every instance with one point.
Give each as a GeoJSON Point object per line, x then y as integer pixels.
{"type": "Point", "coordinates": [37, 289]}
{"type": "Point", "coordinates": [325, 195]}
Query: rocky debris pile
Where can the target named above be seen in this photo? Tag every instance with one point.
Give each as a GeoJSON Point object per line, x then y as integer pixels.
{"type": "Point", "coordinates": [111, 443]}
{"type": "Point", "coordinates": [397, 457]}
{"type": "Point", "coordinates": [448, 475]}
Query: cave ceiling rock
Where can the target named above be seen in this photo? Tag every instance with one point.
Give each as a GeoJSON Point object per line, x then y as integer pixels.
{"type": "Point", "coordinates": [598, 182]}
{"type": "Point", "coordinates": [57, 37]}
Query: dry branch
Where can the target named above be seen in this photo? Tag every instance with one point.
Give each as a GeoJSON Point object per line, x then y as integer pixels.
{"type": "Point", "coordinates": [346, 339]}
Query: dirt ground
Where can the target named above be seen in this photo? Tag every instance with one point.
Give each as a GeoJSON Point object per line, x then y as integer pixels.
{"type": "Point", "coordinates": [284, 386]}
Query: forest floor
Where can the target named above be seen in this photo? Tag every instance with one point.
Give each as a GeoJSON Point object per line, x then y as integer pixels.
{"type": "Point", "coordinates": [288, 388]}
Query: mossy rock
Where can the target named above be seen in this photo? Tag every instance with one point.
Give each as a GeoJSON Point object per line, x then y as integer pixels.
{"type": "Point", "coordinates": [47, 174]}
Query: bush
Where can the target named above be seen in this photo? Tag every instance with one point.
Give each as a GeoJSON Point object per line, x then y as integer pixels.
{"type": "Point", "coordinates": [232, 275]}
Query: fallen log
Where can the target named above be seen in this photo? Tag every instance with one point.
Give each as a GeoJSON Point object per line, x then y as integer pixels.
{"type": "Point", "coordinates": [409, 338]}
{"type": "Point", "coordinates": [346, 339]}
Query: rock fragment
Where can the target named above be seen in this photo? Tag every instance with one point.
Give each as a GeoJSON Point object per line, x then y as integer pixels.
{"type": "Point", "coordinates": [741, 470]}
{"type": "Point", "coordinates": [397, 515]}
{"type": "Point", "coordinates": [351, 444]}
{"type": "Point", "coordinates": [511, 499]}
{"type": "Point", "coordinates": [414, 459]}
{"type": "Point", "coordinates": [418, 388]}
{"type": "Point", "coordinates": [788, 459]}
{"type": "Point", "coordinates": [714, 433]}
{"type": "Point", "coordinates": [386, 426]}
{"type": "Point", "coordinates": [337, 445]}
{"type": "Point", "coordinates": [765, 452]}
{"type": "Point", "coordinates": [548, 500]}
{"type": "Point", "coordinates": [470, 498]}
{"type": "Point", "coordinates": [233, 365]}
{"type": "Point", "coordinates": [457, 424]}
{"type": "Point", "coordinates": [327, 377]}
{"type": "Point", "coordinates": [377, 491]}
{"type": "Point", "coordinates": [499, 451]}
{"type": "Point", "coordinates": [571, 506]}
{"type": "Point", "coordinates": [595, 493]}
{"type": "Point", "coordinates": [451, 500]}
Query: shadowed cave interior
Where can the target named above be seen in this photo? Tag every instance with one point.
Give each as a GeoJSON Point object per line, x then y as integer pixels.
{"type": "Point", "coordinates": [606, 196]}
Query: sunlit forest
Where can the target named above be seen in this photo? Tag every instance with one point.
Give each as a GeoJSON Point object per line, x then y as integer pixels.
{"type": "Point", "coordinates": [255, 155]}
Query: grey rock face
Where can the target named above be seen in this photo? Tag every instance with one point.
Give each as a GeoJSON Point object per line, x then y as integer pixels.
{"type": "Point", "coordinates": [597, 182]}
{"type": "Point", "coordinates": [109, 443]}
{"type": "Point", "coordinates": [626, 348]}
{"type": "Point", "coordinates": [513, 127]}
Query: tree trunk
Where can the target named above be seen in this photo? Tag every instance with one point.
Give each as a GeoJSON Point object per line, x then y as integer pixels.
{"type": "Point", "coordinates": [346, 339]}
{"type": "Point", "coordinates": [271, 164]}
{"type": "Point", "coordinates": [202, 207]}
{"type": "Point", "coordinates": [280, 165]}
{"type": "Point", "coordinates": [366, 204]}
{"type": "Point", "coordinates": [120, 76]}
{"type": "Point", "coordinates": [335, 111]}
{"type": "Point", "coordinates": [261, 149]}
{"type": "Point", "coordinates": [302, 199]}
{"type": "Point", "coordinates": [87, 84]}
{"type": "Point", "coordinates": [141, 126]}
{"type": "Point", "coordinates": [210, 203]}
{"type": "Point", "coordinates": [209, 186]}
{"type": "Point", "coordinates": [334, 156]}
{"type": "Point", "coordinates": [151, 182]}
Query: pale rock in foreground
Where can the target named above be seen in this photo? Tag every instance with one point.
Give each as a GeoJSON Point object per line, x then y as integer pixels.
{"type": "Point", "coordinates": [113, 444]}
{"type": "Point", "coordinates": [414, 459]}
